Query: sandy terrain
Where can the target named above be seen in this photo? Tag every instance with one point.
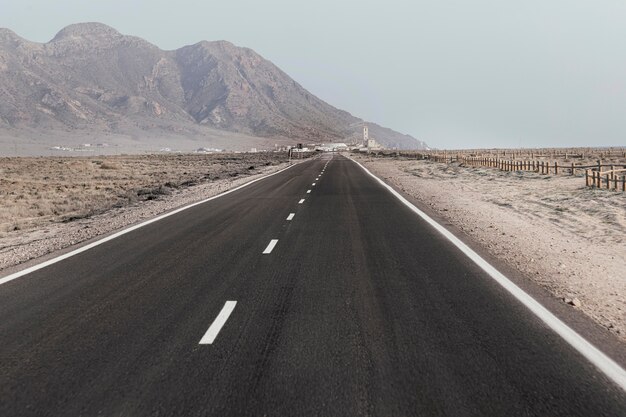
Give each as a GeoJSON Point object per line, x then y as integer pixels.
{"type": "Point", "coordinates": [569, 238]}
{"type": "Point", "coordinates": [52, 203]}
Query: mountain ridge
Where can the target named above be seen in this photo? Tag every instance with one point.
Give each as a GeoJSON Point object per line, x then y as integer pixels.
{"type": "Point", "coordinates": [92, 77]}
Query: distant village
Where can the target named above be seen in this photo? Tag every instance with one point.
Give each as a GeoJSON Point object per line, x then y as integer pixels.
{"type": "Point", "coordinates": [367, 144]}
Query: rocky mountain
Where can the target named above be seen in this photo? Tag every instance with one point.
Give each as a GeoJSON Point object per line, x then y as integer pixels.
{"type": "Point", "coordinates": [91, 77]}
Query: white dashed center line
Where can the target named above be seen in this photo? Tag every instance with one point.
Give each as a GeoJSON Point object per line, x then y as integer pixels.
{"type": "Point", "coordinates": [313, 184]}
{"type": "Point", "coordinates": [270, 247]}
{"type": "Point", "coordinates": [308, 191]}
{"type": "Point", "coordinates": [301, 201]}
{"type": "Point", "coordinates": [219, 322]}
{"type": "Point", "coordinates": [290, 217]}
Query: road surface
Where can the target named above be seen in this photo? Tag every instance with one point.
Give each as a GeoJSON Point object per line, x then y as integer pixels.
{"type": "Point", "coordinates": [299, 295]}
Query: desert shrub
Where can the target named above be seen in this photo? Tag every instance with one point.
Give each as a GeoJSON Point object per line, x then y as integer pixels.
{"type": "Point", "coordinates": [109, 165]}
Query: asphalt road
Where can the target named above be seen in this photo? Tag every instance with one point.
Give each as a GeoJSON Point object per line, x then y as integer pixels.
{"type": "Point", "coordinates": [360, 308]}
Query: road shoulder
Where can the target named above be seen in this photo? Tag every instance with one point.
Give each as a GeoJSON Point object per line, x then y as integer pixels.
{"type": "Point", "coordinates": [434, 199]}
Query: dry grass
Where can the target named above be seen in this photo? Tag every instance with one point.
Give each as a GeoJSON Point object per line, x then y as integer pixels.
{"type": "Point", "coordinates": [35, 191]}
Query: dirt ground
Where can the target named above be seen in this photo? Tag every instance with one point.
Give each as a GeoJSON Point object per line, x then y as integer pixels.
{"type": "Point", "coordinates": [569, 238]}
{"type": "Point", "coordinates": [52, 203]}
{"type": "Point", "coordinates": [39, 191]}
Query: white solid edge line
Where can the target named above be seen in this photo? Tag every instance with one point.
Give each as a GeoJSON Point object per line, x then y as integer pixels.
{"type": "Point", "coordinates": [219, 322]}
{"type": "Point", "coordinates": [270, 246]}
{"type": "Point", "coordinates": [301, 201]}
{"type": "Point", "coordinates": [49, 262]}
{"type": "Point", "coordinates": [605, 364]}
{"type": "Point", "coordinates": [291, 215]}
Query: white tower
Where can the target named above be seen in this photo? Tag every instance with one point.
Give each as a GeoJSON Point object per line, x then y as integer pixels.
{"type": "Point", "coordinates": [365, 135]}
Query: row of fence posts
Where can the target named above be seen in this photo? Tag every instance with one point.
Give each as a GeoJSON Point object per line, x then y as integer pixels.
{"type": "Point", "coordinates": [579, 154]}
{"type": "Point", "coordinates": [593, 177]}
{"type": "Point", "coordinates": [441, 158]}
{"type": "Point", "coordinates": [509, 165]}
{"type": "Point", "coordinates": [597, 178]}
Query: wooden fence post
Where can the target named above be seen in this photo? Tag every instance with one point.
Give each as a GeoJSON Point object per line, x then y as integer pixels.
{"type": "Point", "coordinates": [556, 168]}
{"type": "Point", "coordinates": [572, 173]}
{"type": "Point", "coordinates": [587, 177]}
{"type": "Point", "coordinates": [613, 173]}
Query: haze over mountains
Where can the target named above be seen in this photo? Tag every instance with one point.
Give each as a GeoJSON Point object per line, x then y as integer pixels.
{"type": "Point", "coordinates": [92, 79]}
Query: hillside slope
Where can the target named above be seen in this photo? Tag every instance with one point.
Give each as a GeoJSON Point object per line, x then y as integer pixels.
{"type": "Point", "coordinates": [91, 77]}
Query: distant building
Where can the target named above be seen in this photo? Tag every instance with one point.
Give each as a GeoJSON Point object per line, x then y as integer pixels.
{"type": "Point", "coordinates": [332, 147]}
{"type": "Point", "coordinates": [370, 144]}
{"type": "Point", "coordinates": [208, 150]}
{"type": "Point", "coordinates": [365, 135]}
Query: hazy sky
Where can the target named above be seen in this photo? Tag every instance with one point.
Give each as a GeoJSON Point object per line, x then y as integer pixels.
{"type": "Point", "coordinates": [453, 73]}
